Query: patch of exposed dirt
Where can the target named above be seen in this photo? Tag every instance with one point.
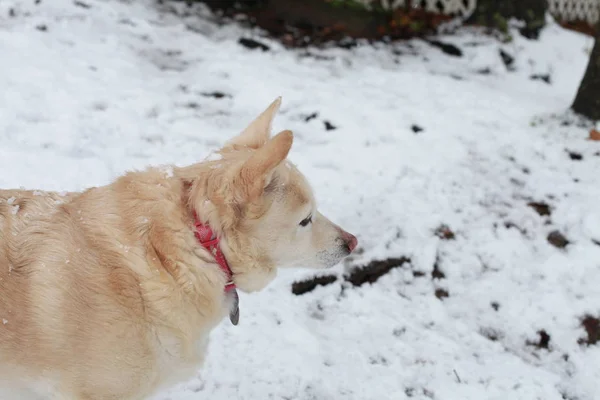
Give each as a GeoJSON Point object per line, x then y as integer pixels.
{"type": "Point", "coordinates": [543, 209]}
{"type": "Point", "coordinates": [375, 270]}
{"type": "Point", "coordinates": [369, 273]}
{"type": "Point", "coordinates": [447, 48]}
{"type": "Point", "coordinates": [441, 293]}
{"type": "Point", "coordinates": [215, 95]}
{"type": "Point", "coordinates": [416, 128]}
{"type": "Point", "coordinates": [412, 392]}
{"type": "Point", "coordinates": [491, 334]}
{"type": "Point", "coordinates": [310, 117]}
{"type": "Point", "coordinates": [508, 60]}
{"type": "Point", "coordinates": [557, 239]}
{"type": "Point", "coordinates": [437, 272]}
{"type": "Point", "coordinates": [541, 77]}
{"type": "Point", "coordinates": [329, 126]}
{"type": "Point", "coordinates": [253, 44]}
{"type": "Point", "coordinates": [573, 155]}
{"type": "Point", "coordinates": [579, 26]}
{"type": "Point", "coordinates": [543, 341]}
{"type": "Point", "coordinates": [592, 328]}
{"type": "Point", "coordinates": [309, 285]}
{"type": "Point", "coordinates": [82, 4]}
{"type": "Point", "coordinates": [512, 225]}
{"type": "Point", "coordinates": [444, 232]}
{"type": "Point", "coordinates": [567, 396]}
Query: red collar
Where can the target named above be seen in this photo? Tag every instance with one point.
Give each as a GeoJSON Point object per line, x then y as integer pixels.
{"type": "Point", "coordinates": [210, 242]}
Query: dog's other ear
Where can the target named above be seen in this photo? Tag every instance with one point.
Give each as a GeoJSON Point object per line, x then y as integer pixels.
{"type": "Point", "coordinates": [258, 132]}
{"type": "Point", "coordinates": [257, 172]}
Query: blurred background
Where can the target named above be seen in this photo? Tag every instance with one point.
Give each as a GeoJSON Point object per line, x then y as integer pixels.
{"type": "Point", "coordinates": [457, 139]}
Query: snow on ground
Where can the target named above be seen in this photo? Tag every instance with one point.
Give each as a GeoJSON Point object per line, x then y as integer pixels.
{"type": "Point", "coordinates": [92, 88]}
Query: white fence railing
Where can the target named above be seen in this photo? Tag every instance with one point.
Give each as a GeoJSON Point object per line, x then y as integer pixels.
{"type": "Point", "coordinates": [565, 10]}
{"type": "Point", "coordinates": [573, 10]}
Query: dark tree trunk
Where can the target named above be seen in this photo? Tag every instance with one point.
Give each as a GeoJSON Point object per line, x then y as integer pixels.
{"type": "Point", "coordinates": [587, 101]}
{"type": "Point", "coordinates": [495, 14]}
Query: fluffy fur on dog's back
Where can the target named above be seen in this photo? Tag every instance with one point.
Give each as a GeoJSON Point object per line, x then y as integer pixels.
{"type": "Point", "coordinates": [106, 294]}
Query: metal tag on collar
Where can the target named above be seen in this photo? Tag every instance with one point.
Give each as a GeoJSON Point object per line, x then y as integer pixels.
{"type": "Point", "coordinates": [234, 311]}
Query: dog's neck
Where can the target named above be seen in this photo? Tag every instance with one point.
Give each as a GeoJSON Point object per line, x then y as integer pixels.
{"type": "Point", "coordinates": [207, 238]}
{"type": "Point", "coordinates": [210, 242]}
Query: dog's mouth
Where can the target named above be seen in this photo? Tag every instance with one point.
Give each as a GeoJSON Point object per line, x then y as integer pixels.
{"type": "Point", "coordinates": [331, 259]}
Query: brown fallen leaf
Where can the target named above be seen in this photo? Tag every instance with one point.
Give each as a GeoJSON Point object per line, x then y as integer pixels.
{"type": "Point", "coordinates": [594, 135]}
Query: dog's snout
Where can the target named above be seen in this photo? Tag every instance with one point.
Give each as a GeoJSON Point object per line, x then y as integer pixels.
{"type": "Point", "coordinates": [349, 240]}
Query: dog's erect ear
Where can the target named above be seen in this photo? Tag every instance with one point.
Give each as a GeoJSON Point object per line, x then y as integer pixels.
{"type": "Point", "coordinates": [256, 173]}
{"type": "Point", "coordinates": [258, 132]}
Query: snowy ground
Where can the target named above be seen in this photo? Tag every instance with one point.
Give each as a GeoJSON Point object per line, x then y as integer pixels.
{"type": "Point", "coordinates": [92, 88]}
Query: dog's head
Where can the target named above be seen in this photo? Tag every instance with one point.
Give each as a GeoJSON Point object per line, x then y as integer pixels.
{"type": "Point", "coordinates": [264, 208]}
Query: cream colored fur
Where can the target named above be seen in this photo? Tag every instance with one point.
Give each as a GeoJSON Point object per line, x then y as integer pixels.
{"type": "Point", "coordinates": [106, 294]}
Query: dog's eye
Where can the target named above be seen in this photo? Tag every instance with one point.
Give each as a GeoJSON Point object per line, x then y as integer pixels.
{"type": "Point", "coordinates": [306, 221]}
